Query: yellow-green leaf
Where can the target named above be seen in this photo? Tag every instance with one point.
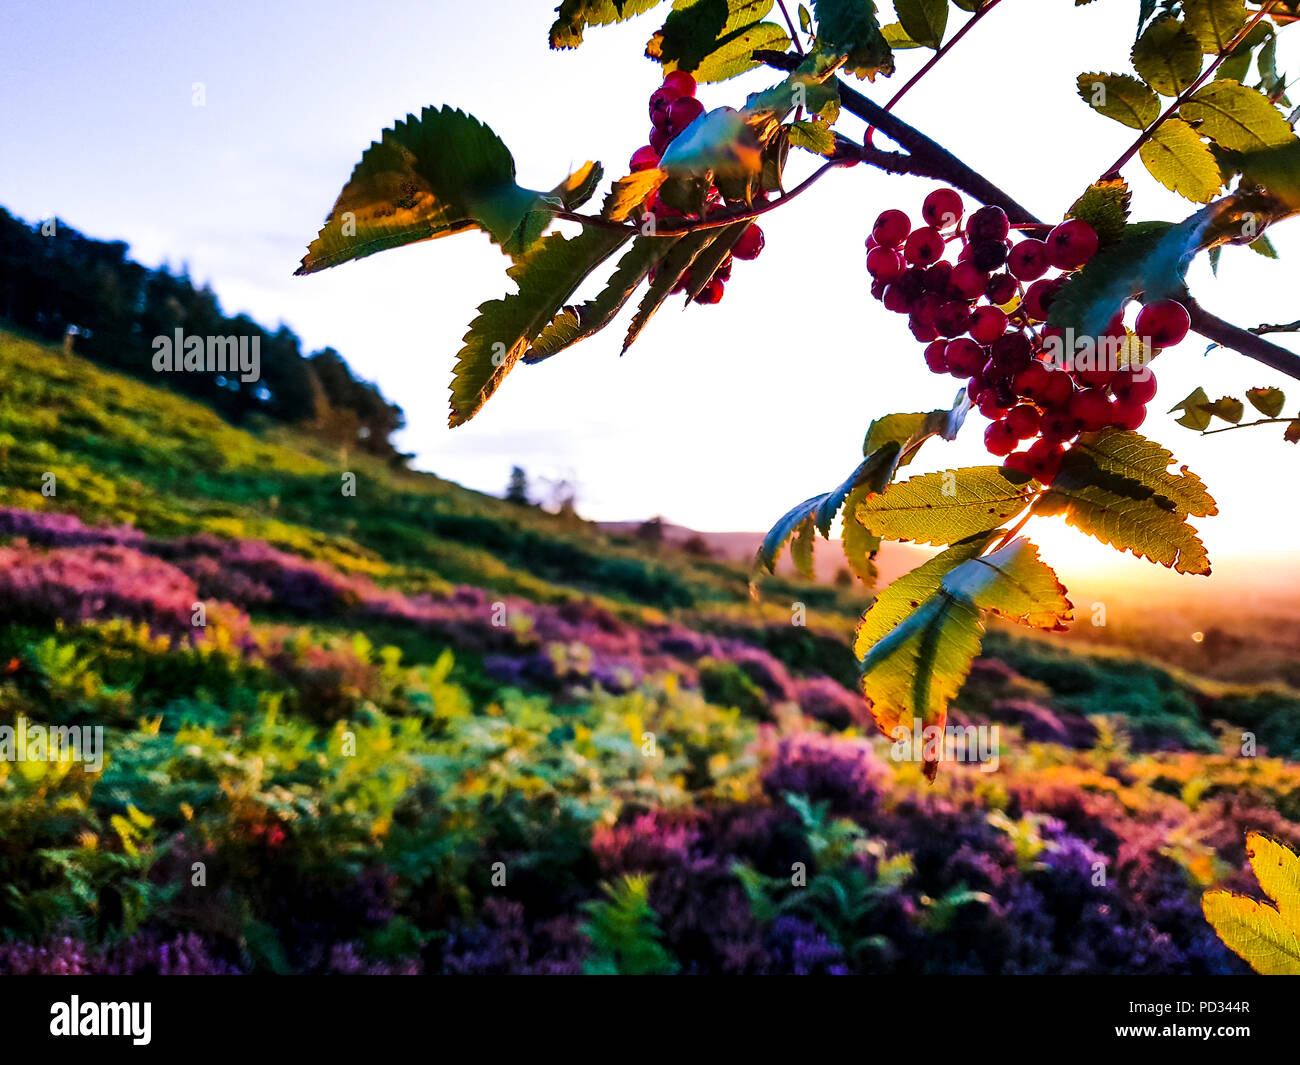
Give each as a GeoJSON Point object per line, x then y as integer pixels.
{"type": "Point", "coordinates": [1121, 97]}
{"type": "Point", "coordinates": [1128, 454]}
{"type": "Point", "coordinates": [1268, 401]}
{"type": "Point", "coordinates": [1268, 937]}
{"type": "Point", "coordinates": [1167, 56]}
{"type": "Point", "coordinates": [1214, 23]}
{"type": "Point", "coordinates": [1236, 117]}
{"type": "Point", "coordinates": [1181, 161]}
{"type": "Point", "coordinates": [1014, 583]}
{"type": "Point", "coordinates": [944, 507]}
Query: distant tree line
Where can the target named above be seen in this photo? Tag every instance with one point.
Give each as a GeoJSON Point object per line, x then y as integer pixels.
{"type": "Point", "coordinates": [53, 278]}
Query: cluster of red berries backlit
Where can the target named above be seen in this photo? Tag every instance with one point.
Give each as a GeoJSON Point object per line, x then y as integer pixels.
{"type": "Point", "coordinates": [982, 318]}
{"type": "Point", "coordinates": [673, 107]}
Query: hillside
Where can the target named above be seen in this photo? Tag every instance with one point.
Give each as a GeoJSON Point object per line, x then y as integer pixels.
{"type": "Point", "coordinates": [418, 729]}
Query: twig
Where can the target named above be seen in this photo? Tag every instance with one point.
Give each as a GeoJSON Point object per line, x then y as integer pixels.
{"type": "Point", "coordinates": [1247, 425]}
{"type": "Point", "coordinates": [794, 35]}
{"type": "Point", "coordinates": [1187, 93]}
{"type": "Point", "coordinates": [1241, 340]}
{"type": "Point", "coordinates": [939, 53]}
{"type": "Point", "coordinates": [1289, 327]}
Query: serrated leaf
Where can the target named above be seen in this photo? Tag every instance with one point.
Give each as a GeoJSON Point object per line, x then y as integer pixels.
{"type": "Point", "coordinates": [924, 21]}
{"type": "Point", "coordinates": [1268, 401]}
{"type": "Point", "coordinates": [1105, 207]}
{"type": "Point", "coordinates": [1129, 454]}
{"type": "Point", "coordinates": [850, 28]}
{"type": "Point", "coordinates": [442, 173]}
{"type": "Point", "coordinates": [629, 193]}
{"type": "Point", "coordinates": [801, 549]}
{"type": "Point", "coordinates": [1167, 56]}
{"type": "Point", "coordinates": [944, 507]}
{"type": "Point", "coordinates": [547, 277]}
{"type": "Point", "coordinates": [896, 37]}
{"type": "Point", "coordinates": [1181, 162]}
{"type": "Point", "coordinates": [814, 136]}
{"type": "Point", "coordinates": [1268, 937]}
{"type": "Point", "coordinates": [1123, 513]}
{"type": "Point", "coordinates": [671, 269]}
{"type": "Point", "coordinates": [1237, 66]}
{"type": "Point", "coordinates": [1263, 246]}
{"type": "Point", "coordinates": [908, 591]}
{"type": "Point", "coordinates": [1227, 408]}
{"type": "Point", "coordinates": [1214, 23]}
{"type": "Point", "coordinates": [1014, 583]}
{"type": "Point", "coordinates": [1121, 97]}
{"type": "Point", "coordinates": [716, 39]}
{"type": "Point", "coordinates": [574, 16]}
{"type": "Point", "coordinates": [1236, 117]}
{"type": "Point", "coordinates": [573, 324]}
{"type": "Point", "coordinates": [1277, 170]}
{"type": "Point", "coordinates": [707, 262]}
{"type": "Point", "coordinates": [859, 545]}
{"type": "Point", "coordinates": [578, 187]}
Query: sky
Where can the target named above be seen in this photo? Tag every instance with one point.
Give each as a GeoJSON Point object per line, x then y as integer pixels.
{"type": "Point", "coordinates": [719, 417]}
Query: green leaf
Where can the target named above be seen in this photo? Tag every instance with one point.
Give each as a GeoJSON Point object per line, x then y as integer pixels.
{"type": "Point", "coordinates": [924, 21]}
{"type": "Point", "coordinates": [1268, 401]}
{"type": "Point", "coordinates": [1180, 161]}
{"type": "Point", "coordinates": [1195, 408]}
{"type": "Point", "coordinates": [1131, 455]}
{"type": "Point", "coordinates": [1014, 583]}
{"type": "Point", "coordinates": [547, 276]}
{"type": "Point", "coordinates": [896, 37]}
{"type": "Point", "coordinates": [1227, 408]}
{"type": "Point", "coordinates": [1237, 66]}
{"type": "Point", "coordinates": [1123, 513]}
{"type": "Point", "coordinates": [577, 323]}
{"type": "Point", "coordinates": [1121, 97]}
{"type": "Point", "coordinates": [801, 550]}
{"type": "Point", "coordinates": [905, 593]}
{"type": "Point", "coordinates": [1236, 117]}
{"type": "Point", "coordinates": [1277, 170]}
{"type": "Point", "coordinates": [850, 28]}
{"type": "Point", "coordinates": [944, 507]}
{"type": "Point", "coordinates": [1214, 23]}
{"type": "Point", "coordinates": [1263, 246]}
{"type": "Point", "coordinates": [859, 545]}
{"type": "Point", "coordinates": [1105, 207]}
{"type": "Point", "coordinates": [671, 269]}
{"type": "Point", "coordinates": [574, 16]}
{"type": "Point", "coordinates": [814, 136]}
{"type": "Point", "coordinates": [707, 262]}
{"type": "Point", "coordinates": [794, 520]}
{"type": "Point", "coordinates": [1167, 57]}
{"type": "Point", "coordinates": [629, 193]}
{"type": "Point", "coordinates": [442, 173]}
{"type": "Point", "coordinates": [716, 39]}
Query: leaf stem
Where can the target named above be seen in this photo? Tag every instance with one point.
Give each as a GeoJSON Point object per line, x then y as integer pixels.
{"type": "Point", "coordinates": [939, 53]}
{"type": "Point", "coordinates": [1186, 94]}
{"type": "Point", "coordinates": [1247, 425]}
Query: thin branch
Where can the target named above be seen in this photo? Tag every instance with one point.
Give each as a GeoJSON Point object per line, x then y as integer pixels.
{"type": "Point", "coordinates": [1289, 327]}
{"type": "Point", "coordinates": [794, 36]}
{"type": "Point", "coordinates": [1241, 340]}
{"type": "Point", "coordinates": [930, 158]}
{"type": "Point", "coordinates": [1248, 425]}
{"type": "Point", "coordinates": [939, 53]}
{"type": "Point", "coordinates": [1187, 93]}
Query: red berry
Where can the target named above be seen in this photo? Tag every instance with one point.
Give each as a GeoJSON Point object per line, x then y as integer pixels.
{"type": "Point", "coordinates": [1043, 460]}
{"type": "Point", "coordinates": [644, 158]}
{"type": "Point", "coordinates": [1057, 390]}
{"type": "Point", "coordinates": [681, 113]}
{"type": "Point", "coordinates": [1028, 260]}
{"type": "Point", "coordinates": [712, 292]}
{"type": "Point", "coordinates": [1032, 381]}
{"type": "Point", "coordinates": [1023, 421]}
{"type": "Point", "coordinates": [1001, 289]}
{"type": "Point", "coordinates": [953, 318]}
{"type": "Point", "coordinates": [938, 278]}
{"type": "Point", "coordinates": [924, 247]}
{"type": "Point", "coordinates": [1039, 296]}
{"type": "Point", "coordinates": [935, 358]}
{"type": "Point", "coordinates": [1017, 460]}
{"type": "Point", "coordinates": [1097, 378]}
{"type": "Point", "coordinates": [967, 280]}
{"type": "Point", "coordinates": [923, 330]}
{"type": "Point", "coordinates": [660, 139]}
{"type": "Point", "coordinates": [1012, 352]}
{"type": "Point", "coordinates": [1163, 324]}
{"type": "Point", "coordinates": [965, 357]}
{"type": "Point", "coordinates": [1059, 427]}
{"type": "Point", "coordinates": [891, 228]}
{"type": "Point", "coordinates": [988, 255]}
{"type": "Point", "coordinates": [988, 223]}
{"type": "Point", "coordinates": [895, 299]}
{"type": "Point", "coordinates": [999, 439]}
{"type": "Point", "coordinates": [942, 209]}
{"type": "Point", "coordinates": [660, 100]}
{"type": "Point", "coordinates": [885, 264]}
{"type": "Point", "coordinates": [987, 324]}
{"type": "Point", "coordinates": [1135, 388]}
{"type": "Point", "coordinates": [1071, 244]}
{"type": "Point", "coordinates": [989, 405]}
{"type": "Point", "coordinates": [751, 242]}
{"type": "Point", "coordinates": [1128, 415]}
{"type": "Point", "coordinates": [680, 82]}
{"type": "Point", "coordinates": [1091, 408]}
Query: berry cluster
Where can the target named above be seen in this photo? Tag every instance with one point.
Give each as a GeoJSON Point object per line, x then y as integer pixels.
{"type": "Point", "coordinates": [673, 107]}
{"type": "Point", "coordinates": [982, 318]}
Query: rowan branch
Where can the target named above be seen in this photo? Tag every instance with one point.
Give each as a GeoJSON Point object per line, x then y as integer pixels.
{"type": "Point", "coordinates": [1241, 340]}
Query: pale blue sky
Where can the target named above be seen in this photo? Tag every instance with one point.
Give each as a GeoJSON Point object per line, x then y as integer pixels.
{"type": "Point", "coordinates": [720, 417]}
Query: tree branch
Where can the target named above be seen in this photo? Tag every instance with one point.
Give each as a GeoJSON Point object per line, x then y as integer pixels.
{"type": "Point", "coordinates": [1285, 327]}
{"type": "Point", "coordinates": [930, 159]}
{"type": "Point", "coordinates": [1241, 340]}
